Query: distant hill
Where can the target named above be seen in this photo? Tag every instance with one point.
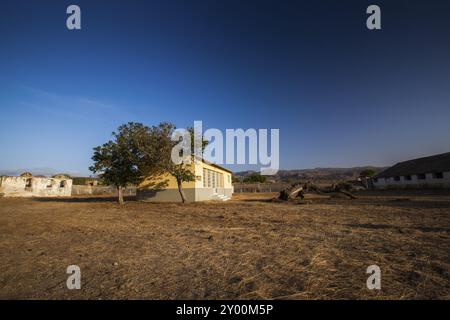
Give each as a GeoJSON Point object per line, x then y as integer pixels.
{"type": "Point", "coordinates": [317, 174]}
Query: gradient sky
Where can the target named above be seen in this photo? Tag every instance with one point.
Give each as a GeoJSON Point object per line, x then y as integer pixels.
{"type": "Point", "coordinates": [340, 94]}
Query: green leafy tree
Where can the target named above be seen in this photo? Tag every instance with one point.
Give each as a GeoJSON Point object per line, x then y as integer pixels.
{"type": "Point", "coordinates": [255, 178]}
{"type": "Point", "coordinates": [367, 173]}
{"type": "Point", "coordinates": [236, 179]}
{"type": "Point", "coordinates": [118, 161]}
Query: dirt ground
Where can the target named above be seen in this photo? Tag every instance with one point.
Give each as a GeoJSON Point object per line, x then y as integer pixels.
{"type": "Point", "coordinates": [248, 248]}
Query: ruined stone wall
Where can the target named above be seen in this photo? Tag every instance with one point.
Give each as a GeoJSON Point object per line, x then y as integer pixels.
{"type": "Point", "coordinates": [35, 187]}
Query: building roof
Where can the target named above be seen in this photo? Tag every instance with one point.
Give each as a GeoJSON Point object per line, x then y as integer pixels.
{"type": "Point", "coordinates": [217, 166]}
{"type": "Point", "coordinates": [432, 164]}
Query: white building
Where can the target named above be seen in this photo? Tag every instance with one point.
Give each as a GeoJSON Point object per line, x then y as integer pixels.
{"type": "Point", "coordinates": [428, 172]}
{"type": "Point", "coordinates": [29, 186]}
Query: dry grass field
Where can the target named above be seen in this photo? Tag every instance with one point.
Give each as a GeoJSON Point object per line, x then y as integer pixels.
{"type": "Point", "coordinates": [248, 248]}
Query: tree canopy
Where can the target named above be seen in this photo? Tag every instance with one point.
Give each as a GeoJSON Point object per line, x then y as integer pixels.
{"type": "Point", "coordinates": [255, 178]}
{"type": "Point", "coordinates": [367, 173]}
{"type": "Point", "coordinates": [118, 161]}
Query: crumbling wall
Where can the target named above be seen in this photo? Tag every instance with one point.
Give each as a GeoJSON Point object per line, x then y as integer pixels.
{"type": "Point", "coordinates": [35, 187]}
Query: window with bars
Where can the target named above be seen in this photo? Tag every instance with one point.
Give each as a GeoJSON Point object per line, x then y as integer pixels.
{"type": "Point", "coordinates": [212, 179]}
{"type": "Point", "coordinates": [204, 178]}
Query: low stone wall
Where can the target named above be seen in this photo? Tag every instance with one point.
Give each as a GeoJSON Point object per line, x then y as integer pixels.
{"type": "Point", "coordinates": [101, 190]}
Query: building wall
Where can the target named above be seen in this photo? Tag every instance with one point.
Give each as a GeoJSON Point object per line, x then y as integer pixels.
{"type": "Point", "coordinates": [415, 182]}
{"type": "Point", "coordinates": [168, 195]}
{"type": "Point", "coordinates": [164, 181]}
{"type": "Point", "coordinates": [164, 188]}
{"type": "Point", "coordinates": [34, 187]}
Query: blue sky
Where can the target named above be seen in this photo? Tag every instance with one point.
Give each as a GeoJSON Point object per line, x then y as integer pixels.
{"type": "Point", "coordinates": [340, 94]}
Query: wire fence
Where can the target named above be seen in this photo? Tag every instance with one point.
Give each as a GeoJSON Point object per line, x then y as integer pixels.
{"type": "Point", "coordinates": [131, 191]}
{"type": "Point", "coordinates": [101, 190]}
{"type": "Point", "coordinates": [260, 187]}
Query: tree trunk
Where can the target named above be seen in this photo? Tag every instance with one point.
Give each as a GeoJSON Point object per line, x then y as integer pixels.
{"type": "Point", "coordinates": [180, 189]}
{"type": "Point", "coordinates": [120, 194]}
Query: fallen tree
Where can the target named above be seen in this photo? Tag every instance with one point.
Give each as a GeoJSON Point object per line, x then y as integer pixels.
{"type": "Point", "coordinates": [291, 192]}
{"type": "Point", "coordinates": [297, 190]}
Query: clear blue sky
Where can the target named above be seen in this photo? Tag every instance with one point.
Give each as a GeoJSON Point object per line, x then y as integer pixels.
{"type": "Point", "coordinates": [341, 95]}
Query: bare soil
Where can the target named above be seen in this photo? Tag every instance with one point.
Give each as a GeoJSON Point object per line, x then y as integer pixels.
{"type": "Point", "coordinates": [248, 248]}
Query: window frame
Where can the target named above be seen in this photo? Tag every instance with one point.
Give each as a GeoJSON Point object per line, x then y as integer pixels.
{"type": "Point", "coordinates": [421, 176]}
{"type": "Point", "coordinates": [438, 175]}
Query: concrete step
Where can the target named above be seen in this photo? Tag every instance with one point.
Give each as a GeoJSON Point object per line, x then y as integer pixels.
{"type": "Point", "coordinates": [220, 197]}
